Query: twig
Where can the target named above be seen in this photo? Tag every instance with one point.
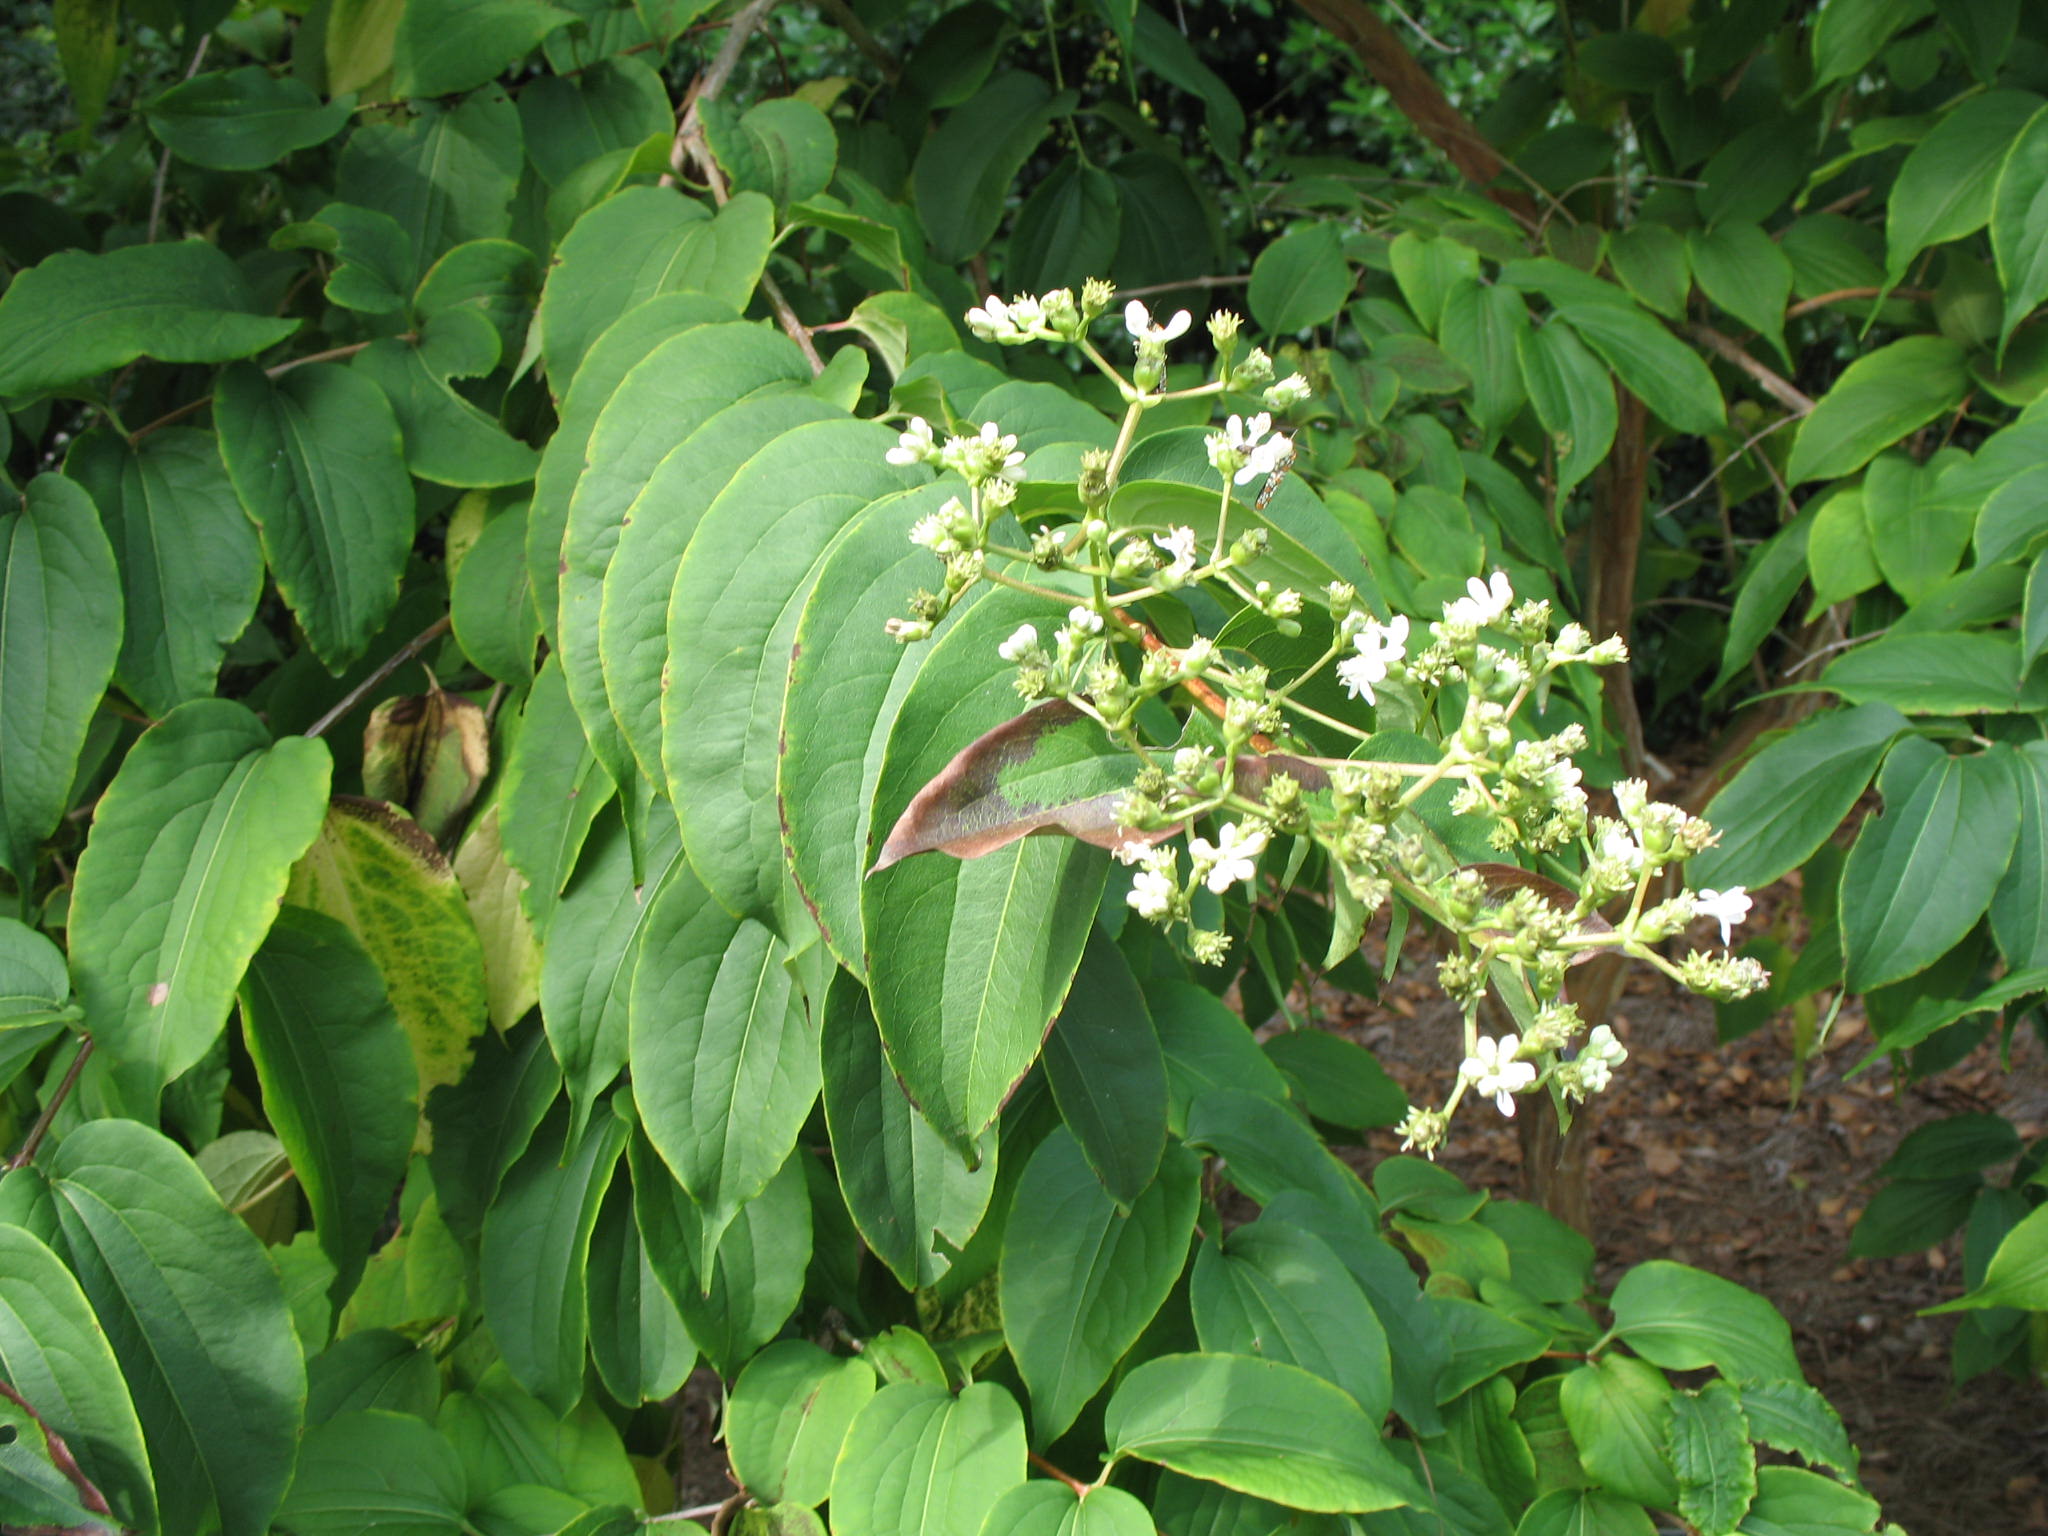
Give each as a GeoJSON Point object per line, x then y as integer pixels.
{"type": "Point", "coordinates": [392, 663]}
{"type": "Point", "coordinates": [1847, 295]}
{"type": "Point", "coordinates": [700, 1512]}
{"type": "Point", "coordinates": [163, 165]}
{"type": "Point", "coordinates": [1050, 1470]}
{"type": "Point", "coordinates": [721, 1522]}
{"type": "Point", "coordinates": [1778, 387]}
{"type": "Point", "coordinates": [1187, 282]}
{"type": "Point", "coordinates": [1721, 468]}
{"type": "Point", "coordinates": [276, 370]}
{"type": "Point", "coordinates": [48, 1117]}
{"type": "Point", "coordinates": [1417, 28]}
{"type": "Point", "coordinates": [262, 1194]}
{"type": "Point", "coordinates": [863, 39]}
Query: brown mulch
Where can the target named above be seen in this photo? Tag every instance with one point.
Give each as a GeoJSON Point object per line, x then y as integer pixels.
{"type": "Point", "coordinates": [1699, 1155]}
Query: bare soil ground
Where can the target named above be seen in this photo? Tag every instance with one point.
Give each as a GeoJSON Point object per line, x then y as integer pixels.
{"type": "Point", "coordinates": [1698, 1156]}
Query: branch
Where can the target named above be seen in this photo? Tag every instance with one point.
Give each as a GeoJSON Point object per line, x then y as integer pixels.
{"type": "Point", "coordinates": [863, 39]}
{"type": "Point", "coordinates": [48, 1117]}
{"type": "Point", "coordinates": [1778, 387]}
{"type": "Point", "coordinates": [392, 663]}
{"type": "Point", "coordinates": [1845, 295]}
{"type": "Point", "coordinates": [1050, 1470]}
{"type": "Point", "coordinates": [194, 407]}
{"type": "Point", "coordinates": [1422, 102]}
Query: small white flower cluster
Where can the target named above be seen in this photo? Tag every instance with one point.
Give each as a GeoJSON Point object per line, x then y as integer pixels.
{"type": "Point", "coordinates": [1248, 449]}
{"type": "Point", "coordinates": [1376, 649]}
{"type": "Point", "coordinates": [983, 460]}
{"type": "Point", "coordinates": [1055, 317]}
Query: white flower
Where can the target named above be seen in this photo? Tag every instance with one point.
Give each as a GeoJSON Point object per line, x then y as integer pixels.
{"type": "Point", "coordinates": [1484, 602]}
{"type": "Point", "coordinates": [914, 446]}
{"type": "Point", "coordinates": [1138, 321]}
{"type": "Point", "coordinates": [1086, 620]}
{"type": "Point", "coordinates": [1179, 543]}
{"type": "Point", "coordinates": [1231, 448]}
{"type": "Point", "coordinates": [1232, 858]}
{"type": "Point", "coordinates": [1601, 1045]}
{"type": "Point", "coordinates": [1619, 846]}
{"type": "Point", "coordinates": [1495, 1074]}
{"type": "Point", "coordinates": [1265, 458]}
{"type": "Point", "coordinates": [1018, 320]}
{"type": "Point", "coordinates": [1727, 907]}
{"type": "Point", "coordinates": [1378, 646]}
{"type": "Point", "coordinates": [1021, 640]}
{"type": "Point", "coordinates": [1288, 393]}
{"type": "Point", "coordinates": [1151, 894]}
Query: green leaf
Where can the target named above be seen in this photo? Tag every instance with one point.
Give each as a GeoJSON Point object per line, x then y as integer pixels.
{"type": "Point", "coordinates": [536, 1249]}
{"type": "Point", "coordinates": [337, 1075]}
{"type": "Point", "coordinates": [1585, 1512]}
{"type": "Point", "coordinates": [54, 1353]}
{"type": "Point", "coordinates": [1299, 281]}
{"type": "Point", "coordinates": [372, 868]}
{"type": "Point", "coordinates": [1905, 899]}
{"type": "Point", "coordinates": [316, 459]}
{"type": "Point", "coordinates": [1947, 673]}
{"type": "Point", "coordinates": [1839, 551]}
{"type": "Point", "coordinates": [733, 614]}
{"type": "Point", "coordinates": [244, 119]}
{"type": "Point", "coordinates": [75, 315]}
{"type": "Point", "coordinates": [2019, 225]}
{"type": "Point", "coordinates": [570, 120]}
{"type": "Point", "coordinates": [1341, 1082]}
{"type": "Point", "coordinates": [1574, 399]}
{"type": "Point", "coordinates": [2018, 1274]}
{"type": "Point", "coordinates": [448, 46]}
{"type": "Point", "coordinates": [1267, 1149]}
{"type": "Point", "coordinates": [1742, 271]}
{"type": "Point", "coordinates": [1848, 34]}
{"type": "Point", "coordinates": [1960, 1144]}
{"type": "Point", "coordinates": [1790, 1499]}
{"type": "Point", "coordinates": [1425, 270]}
{"type": "Point", "coordinates": [196, 1318]}
{"type": "Point", "coordinates": [1066, 232]}
{"type": "Point", "coordinates": [1879, 399]}
{"type": "Point", "coordinates": [1206, 1046]}
{"type": "Point", "coordinates": [637, 1337]}
{"type": "Point", "coordinates": [593, 952]}
{"type": "Point", "coordinates": [1650, 260]}
{"type": "Point", "coordinates": [1618, 1410]}
{"type": "Point", "coordinates": [39, 1488]}
{"type": "Point", "coordinates": [1259, 1426]}
{"type": "Point", "coordinates": [447, 439]}
{"type": "Point", "coordinates": [965, 169]}
{"type": "Point", "coordinates": [88, 36]}
{"type": "Point", "coordinates": [490, 603]}
{"type": "Point", "coordinates": [1792, 795]}
{"type": "Point", "coordinates": [633, 615]}
{"type": "Point", "coordinates": [913, 1200]}
{"type": "Point", "coordinates": [1683, 1318]}
{"type": "Point", "coordinates": [190, 851]}
{"type": "Point", "coordinates": [755, 1278]}
{"type": "Point", "coordinates": [506, 1436]}
{"type": "Point", "coordinates": [677, 387]}
{"type": "Point", "coordinates": [1945, 189]}
{"type": "Point", "coordinates": [724, 1049]}
{"type": "Point", "coordinates": [447, 174]}
{"type": "Point", "coordinates": [788, 1416]}
{"type": "Point", "coordinates": [1079, 1281]}
{"type": "Point", "coordinates": [373, 265]}
{"type": "Point", "coordinates": [969, 960]}
{"type": "Point", "coordinates": [1917, 541]}
{"type": "Point", "coordinates": [1711, 1453]}
{"type": "Point", "coordinates": [2019, 907]}
{"type": "Point", "coordinates": [1482, 330]}
{"type": "Point", "coordinates": [60, 632]}
{"type": "Point", "coordinates": [1912, 1215]}
{"type": "Point", "coordinates": [484, 1122]}
{"type": "Point", "coordinates": [375, 1470]}
{"type": "Point", "coordinates": [919, 1458]}
{"type": "Point", "coordinates": [554, 789]}
{"type": "Point", "coordinates": [1103, 1063]}
{"type": "Point", "coordinates": [376, 1368]}
{"type": "Point", "coordinates": [1279, 1293]}
{"type": "Point", "coordinates": [190, 562]}
{"type": "Point", "coordinates": [782, 148]}
{"type": "Point", "coordinates": [1790, 1416]}
{"type": "Point", "coordinates": [1045, 1508]}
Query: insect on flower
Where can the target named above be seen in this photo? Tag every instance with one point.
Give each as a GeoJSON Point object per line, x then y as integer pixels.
{"type": "Point", "coordinates": [1280, 468]}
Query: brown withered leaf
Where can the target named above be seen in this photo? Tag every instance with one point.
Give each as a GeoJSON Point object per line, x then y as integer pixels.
{"type": "Point", "coordinates": [428, 752]}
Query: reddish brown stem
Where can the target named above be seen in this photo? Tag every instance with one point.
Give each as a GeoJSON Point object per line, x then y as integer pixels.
{"type": "Point", "coordinates": [392, 663]}
{"type": "Point", "coordinates": [48, 1117]}
{"type": "Point", "coordinates": [1050, 1470]}
{"type": "Point", "coordinates": [1849, 295]}
{"type": "Point", "coordinates": [193, 407]}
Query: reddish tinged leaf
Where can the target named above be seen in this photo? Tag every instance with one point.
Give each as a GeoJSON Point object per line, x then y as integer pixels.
{"type": "Point", "coordinates": [61, 1458]}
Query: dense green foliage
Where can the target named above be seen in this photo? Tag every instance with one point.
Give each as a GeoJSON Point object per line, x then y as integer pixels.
{"type": "Point", "coordinates": [499, 920]}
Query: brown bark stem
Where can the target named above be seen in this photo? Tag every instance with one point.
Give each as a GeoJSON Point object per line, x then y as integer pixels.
{"type": "Point", "coordinates": [1617, 534]}
{"type": "Point", "coordinates": [1778, 387]}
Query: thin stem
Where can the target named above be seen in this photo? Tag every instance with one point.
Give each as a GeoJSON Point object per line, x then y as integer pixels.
{"type": "Point", "coordinates": [1777, 386]}
{"type": "Point", "coordinates": [1125, 433]}
{"type": "Point", "coordinates": [1848, 295]}
{"type": "Point", "coordinates": [48, 1117]}
{"type": "Point", "coordinates": [262, 1194]}
{"type": "Point", "coordinates": [1721, 468]}
{"type": "Point", "coordinates": [1186, 282]}
{"type": "Point", "coordinates": [1322, 719]}
{"type": "Point", "coordinates": [392, 663]}
{"type": "Point", "coordinates": [1032, 587]}
{"type": "Point", "coordinates": [163, 165]}
{"type": "Point", "coordinates": [1050, 1470]}
{"type": "Point", "coordinates": [276, 370]}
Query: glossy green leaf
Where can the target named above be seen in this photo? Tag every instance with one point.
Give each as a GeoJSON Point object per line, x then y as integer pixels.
{"type": "Point", "coordinates": [316, 459]}
{"type": "Point", "coordinates": [190, 562]}
{"type": "Point", "coordinates": [244, 119]}
{"type": "Point", "coordinates": [724, 1049]}
{"type": "Point", "coordinates": [1259, 1426]}
{"type": "Point", "coordinates": [1711, 1453]}
{"type": "Point", "coordinates": [1905, 899]}
{"type": "Point", "coordinates": [190, 851]}
{"type": "Point", "coordinates": [965, 169]}
{"type": "Point", "coordinates": [1742, 271]}
{"type": "Point", "coordinates": [1107, 1073]}
{"type": "Point", "coordinates": [1045, 1508]}
{"type": "Point", "coordinates": [1918, 543]}
{"type": "Point", "coordinates": [1650, 260]}
{"type": "Point", "coordinates": [447, 439]}
{"type": "Point", "coordinates": [642, 1349]}
{"type": "Point", "coordinates": [733, 614]}
{"type": "Point", "coordinates": [54, 1353]}
{"type": "Point", "coordinates": [1267, 1148]}
{"type": "Point", "coordinates": [2019, 907]}
{"type": "Point", "coordinates": [447, 46]}
{"type": "Point", "coordinates": [1790, 1416]}
{"type": "Point", "coordinates": [1933, 674]}
{"type": "Point", "coordinates": [535, 1252]}
{"type": "Point", "coordinates": [1792, 795]}
{"type": "Point", "coordinates": [376, 1368]}
{"type": "Point", "coordinates": [447, 173]}
{"type": "Point", "coordinates": [1879, 398]}
{"type": "Point", "coordinates": [75, 315]}
{"type": "Point", "coordinates": [1281, 1294]}
{"type": "Point", "coordinates": [682, 383]}
{"type": "Point", "coordinates": [1668, 375]}
{"type": "Point", "coordinates": [966, 971]}
{"type": "Point", "coordinates": [1945, 189]}
{"type": "Point", "coordinates": [919, 1458]}
{"type": "Point", "coordinates": [1912, 1215]}
{"type": "Point", "coordinates": [1300, 280]}
{"type": "Point", "coordinates": [1425, 270]}
{"type": "Point", "coordinates": [570, 120]}
{"type": "Point", "coordinates": [1482, 330]}
{"type": "Point", "coordinates": [1683, 1318]}
{"type": "Point", "coordinates": [2018, 1273]}
{"type": "Point", "coordinates": [1788, 1498]}
{"type": "Point", "coordinates": [339, 1086]}
{"type": "Point", "coordinates": [913, 1199]}
{"type": "Point", "coordinates": [1585, 1512]}
{"type": "Point", "coordinates": [195, 1316]}
{"type": "Point", "coordinates": [1839, 551]}
{"type": "Point", "coordinates": [372, 868]}
{"type": "Point", "coordinates": [376, 1470]}
{"type": "Point", "coordinates": [1206, 1046]}
{"type": "Point", "coordinates": [1340, 1081]}
{"type": "Point", "coordinates": [2019, 225]}
{"type": "Point", "coordinates": [60, 632]}
{"type": "Point", "coordinates": [633, 618]}
{"type": "Point", "coordinates": [553, 790]}
{"type": "Point", "coordinates": [1618, 1408]}
{"type": "Point", "coordinates": [1080, 1281]}
{"type": "Point", "coordinates": [490, 603]}
{"type": "Point", "coordinates": [788, 1416]}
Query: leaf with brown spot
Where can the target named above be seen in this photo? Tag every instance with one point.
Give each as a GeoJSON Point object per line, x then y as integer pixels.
{"type": "Point", "coordinates": [428, 752]}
